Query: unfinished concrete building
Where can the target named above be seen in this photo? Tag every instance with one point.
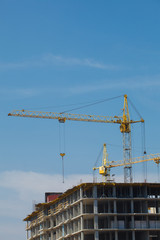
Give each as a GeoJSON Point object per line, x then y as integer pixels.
{"type": "Point", "coordinates": [99, 211]}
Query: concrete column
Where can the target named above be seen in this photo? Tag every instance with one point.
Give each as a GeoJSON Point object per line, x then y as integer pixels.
{"type": "Point", "coordinates": [132, 219]}
{"type": "Point", "coordinates": [52, 235]}
{"type": "Point", "coordinates": [81, 212]}
{"type": "Point", "coordinates": [133, 235]}
{"type": "Point", "coordinates": [94, 191]}
{"type": "Point", "coordinates": [96, 235]}
{"type": "Point", "coordinates": [116, 235]}
{"type": "Point", "coordinates": [115, 220]}
{"type": "Point", "coordinates": [95, 209]}
{"type": "Point", "coordinates": [115, 207]}
{"type": "Point", "coordinates": [82, 235]}
{"type": "Point", "coordinates": [81, 207]}
{"type": "Point", "coordinates": [115, 211]}
{"type": "Point", "coordinates": [81, 192]}
{"type": "Point", "coordinates": [81, 218]}
{"type": "Point", "coordinates": [51, 222]}
{"type": "Point", "coordinates": [132, 222]}
{"type": "Point", "coordinates": [95, 222]}
{"type": "Point", "coordinates": [132, 206]}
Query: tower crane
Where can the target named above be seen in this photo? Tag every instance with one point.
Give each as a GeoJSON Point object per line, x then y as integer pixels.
{"type": "Point", "coordinates": [124, 121]}
{"type": "Point", "coordinates": [104, 170]}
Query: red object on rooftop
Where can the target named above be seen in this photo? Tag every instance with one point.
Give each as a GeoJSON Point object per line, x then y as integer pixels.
{"type": "Point", "coordinates": [51, 196]}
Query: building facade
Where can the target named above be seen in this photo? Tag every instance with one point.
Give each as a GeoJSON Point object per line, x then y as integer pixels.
{"type": "Point", "coordinates": [99, 211]}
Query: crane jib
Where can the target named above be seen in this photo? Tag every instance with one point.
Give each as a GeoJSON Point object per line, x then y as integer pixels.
{"type": "Point", "coordinates": [68, 116]}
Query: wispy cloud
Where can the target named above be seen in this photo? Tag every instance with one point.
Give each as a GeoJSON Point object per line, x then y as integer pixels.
{"type": "Point", "coordinates": [87, 62]}
{"type": "Point", "coordinates": [51, 60]}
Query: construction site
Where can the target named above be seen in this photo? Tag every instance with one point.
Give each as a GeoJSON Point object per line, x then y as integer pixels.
{"type": "Point", "coordinates": [105, 210]}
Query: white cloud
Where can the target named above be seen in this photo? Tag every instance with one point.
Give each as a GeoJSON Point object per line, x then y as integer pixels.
{"type": "Point", "coordinates": [56, 60]}
{"type": "Point", "coordinates": [28, 185]}
{"type": "Point", "coordinates": [52, 59]}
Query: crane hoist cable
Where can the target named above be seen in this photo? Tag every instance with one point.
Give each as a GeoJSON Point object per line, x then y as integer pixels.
{"type": "Point", "coordinates": [62, 144]}
{"type": "Point", "coordinates": [62, 155]}
{"type": "Point", "coordinates": [158, 173]}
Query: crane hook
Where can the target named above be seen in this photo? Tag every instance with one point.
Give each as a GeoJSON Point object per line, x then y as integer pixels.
{"type": "Point", "coordinates": [62, 155]}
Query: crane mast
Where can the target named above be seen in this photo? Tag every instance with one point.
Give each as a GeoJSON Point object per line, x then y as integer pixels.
{"type": "Point", "coordinates": [124, 122]}
{"type": "Point", "coordinates": [125, 128]}
{"type": "Point", "coordinates": [106, 161]}
{"type": "Point", "coordinates": [103, 170]}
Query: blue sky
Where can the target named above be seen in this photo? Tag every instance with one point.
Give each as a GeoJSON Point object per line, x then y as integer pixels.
{"type": "Point", "coordinates": [59, 55]}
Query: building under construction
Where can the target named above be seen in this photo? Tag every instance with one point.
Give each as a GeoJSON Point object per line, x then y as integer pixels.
{"type": "Point", "coordinates": [98, 211]}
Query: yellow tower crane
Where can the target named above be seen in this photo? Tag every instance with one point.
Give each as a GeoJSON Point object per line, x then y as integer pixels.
{"type": "Point", "coordinates": [104, 170]}
{"type": "Point", "coordinates": [124, 122]}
